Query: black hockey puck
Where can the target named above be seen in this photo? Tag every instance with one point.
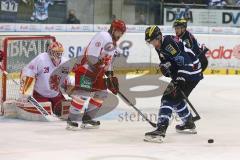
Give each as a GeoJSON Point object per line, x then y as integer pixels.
{"type": "Point", "coordinates": [210, 140]}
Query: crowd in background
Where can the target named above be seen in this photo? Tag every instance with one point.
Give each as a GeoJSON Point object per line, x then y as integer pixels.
{"type": "Point", "coordinates": [207, 2]}
{"type": "Point", "coordinates": [58, 11]}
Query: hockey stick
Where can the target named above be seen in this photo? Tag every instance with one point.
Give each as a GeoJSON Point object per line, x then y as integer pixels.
{"type": "Point", "coordinates": [40, 108]}
{"type": "Point", "coordinates": [197, 117]}
{"type": "Point", "coordinates": [139, 112]}
{"type": "Point", "coordinates": [34, 102]}
{"type": "Point", "coordinates": [133, 106]}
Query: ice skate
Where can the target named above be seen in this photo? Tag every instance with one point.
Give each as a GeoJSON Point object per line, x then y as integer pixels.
{"type": "Point", "coordinates": [71, 125]}
{"type": "Point", "coordinates": [156, 136]}
{"type": "Point", "coordinates": [89, 123]}
{"type": "Point", "coordinates": [187, 128]}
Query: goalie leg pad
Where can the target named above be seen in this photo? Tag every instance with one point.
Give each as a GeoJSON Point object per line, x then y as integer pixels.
{"type": "Point", "coordinates": [25, 111]}
{"type": "Point", "coordinates": [57, 104]}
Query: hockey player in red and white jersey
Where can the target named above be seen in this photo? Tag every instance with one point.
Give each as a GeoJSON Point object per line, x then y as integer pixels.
{"type": "Point", "coordinates": [35, 77]}
{"type": "Point", "coordinates": [89, 76]}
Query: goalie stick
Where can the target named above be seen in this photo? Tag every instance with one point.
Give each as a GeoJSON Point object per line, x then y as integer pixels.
{"type": "Point", "coordinates": [34, 102]}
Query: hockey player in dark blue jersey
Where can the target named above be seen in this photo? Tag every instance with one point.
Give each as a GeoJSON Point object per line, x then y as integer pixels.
{"type": "Point", "coordinates": [180, 26]}
{"type": "Point", "coordinates": [180, 64]}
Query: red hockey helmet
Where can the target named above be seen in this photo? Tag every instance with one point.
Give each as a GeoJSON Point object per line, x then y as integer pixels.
{"type": "Point", "coordinates": [119, 25]}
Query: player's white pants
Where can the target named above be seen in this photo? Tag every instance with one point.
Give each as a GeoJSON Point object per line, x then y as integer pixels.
{"type": "Point", "coordinates": [80, 98]}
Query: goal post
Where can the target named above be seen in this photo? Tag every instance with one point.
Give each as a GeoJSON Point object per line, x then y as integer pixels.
{"type": "Point", "coordinates": [18, 51]}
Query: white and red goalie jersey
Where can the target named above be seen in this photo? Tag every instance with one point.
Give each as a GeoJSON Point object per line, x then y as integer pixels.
{"type": "Point", "coordinates": [98, 58]}
{"type": "Point", "coordinates": [40, 69]}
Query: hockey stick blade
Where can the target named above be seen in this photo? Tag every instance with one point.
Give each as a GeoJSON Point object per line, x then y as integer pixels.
{"type": "Point", "coordinates": [196, 118]}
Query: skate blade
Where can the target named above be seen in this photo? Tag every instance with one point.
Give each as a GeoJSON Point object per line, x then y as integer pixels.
{"type": "Point", "coordinates": [155, 139]}
{"type": "Point", "coordinates": [88, 126]}
{"type": "Point", "coordinates": [72, 128]}
{"type": "Point", "coordinates": [187, 131]}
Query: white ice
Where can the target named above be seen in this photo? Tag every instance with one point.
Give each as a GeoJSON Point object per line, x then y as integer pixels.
{"type": "Point", "coordinates": [217, 99]}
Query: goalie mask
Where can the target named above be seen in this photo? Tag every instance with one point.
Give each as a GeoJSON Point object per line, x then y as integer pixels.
{"type": "Point", "coordinates": [55, 51]}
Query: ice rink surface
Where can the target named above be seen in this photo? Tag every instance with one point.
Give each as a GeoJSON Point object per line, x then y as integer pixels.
{"type": "Point", "coordinates": [217, 99]}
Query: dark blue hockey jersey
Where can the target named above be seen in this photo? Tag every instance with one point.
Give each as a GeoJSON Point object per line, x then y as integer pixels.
{"type": "Point", "coordinates": [183, 61]}
{"type": "Point", "coordinates": [190, 42]}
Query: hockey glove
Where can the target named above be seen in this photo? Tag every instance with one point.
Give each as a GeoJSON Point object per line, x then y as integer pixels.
{"type": "Point", "coordinates": [165, 68]}
{"type": "Point", "coordinates": [112, 84]}
{"type": "Point", "coordinates": [180, 82]}
{"type": "Point", "coordinates": [204, 49]}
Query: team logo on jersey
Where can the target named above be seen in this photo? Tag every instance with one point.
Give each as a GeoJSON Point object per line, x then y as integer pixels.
{"type": "Point", "coordinates": [179, 60]}
{"type": "Point", "coordinates": [85, 82]}
{"type": "Point", "coordinates": [98, 44]}
{"type": "Point", "coordinates": [109, 47]}
{"type": "Point", "coordinates": [171, 49]}
{"type": "Point", "coordinates": [54, 82]}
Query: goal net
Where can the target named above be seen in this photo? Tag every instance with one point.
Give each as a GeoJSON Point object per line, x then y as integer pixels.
{"type": "Point", "coordinates": [17, 52]}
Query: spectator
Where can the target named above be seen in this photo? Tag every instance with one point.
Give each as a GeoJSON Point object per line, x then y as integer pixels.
{"type": "Point", "coordinates": [40, 12]}
{"type": "Point", "coordinates": [230, 2]}
{"type": "Point", "coordinates": [72, 18]}
{"type": "Point", "coordinates": [142, 20]}
{"type": "Point", "coordinates": [217, 3]}
{"type": "Point", "coordinates": [172, 1]}
{"type": "Point", "coordinates": [9, 10]}
{"type": "Point", "coordinates": [237, 2]}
